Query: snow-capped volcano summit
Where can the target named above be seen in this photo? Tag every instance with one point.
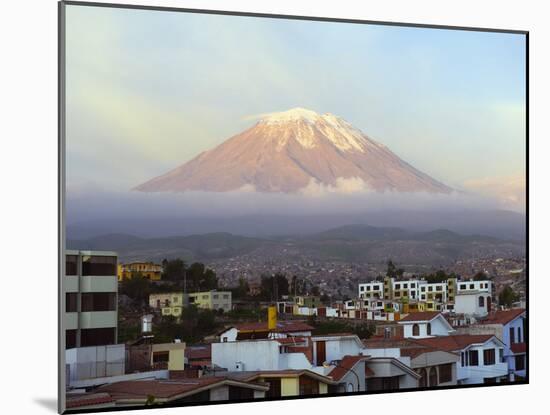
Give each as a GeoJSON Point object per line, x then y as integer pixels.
{"type": "Point", "coordinates": [290, 150]}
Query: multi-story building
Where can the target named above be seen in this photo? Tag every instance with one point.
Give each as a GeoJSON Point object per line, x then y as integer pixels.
{"type": "Point", "coordinates": [433, 295]}
{"type": "Point", "coordinates": [148, 270]}
{"type": "Point", "coordinates": [212, 300]}
{"type": "Point", "coordinates": [90, 285]}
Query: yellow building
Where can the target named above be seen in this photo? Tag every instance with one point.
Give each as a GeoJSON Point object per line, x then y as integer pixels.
{"type": "Point", "coordinates": [417, 307]}
{"type": "Point", "coordinates": [148, 270]}
{"type": "Point", "coordinates": [169, 356]}
{"type": "Point", "coordinates": [170, 304]}
{"type": "Point", "coordinates": [293, 382]}
{"type": "Point", "coordinates": [212, 300]}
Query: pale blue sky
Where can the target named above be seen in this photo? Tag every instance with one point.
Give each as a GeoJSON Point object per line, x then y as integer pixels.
{"type": "Point", "coordinates": [148, 90]}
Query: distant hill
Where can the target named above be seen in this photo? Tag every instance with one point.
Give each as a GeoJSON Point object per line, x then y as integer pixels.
{"type": "Point", "coordinates": [352, 243]}
{"type": "Point", "coordinates": [204, 247]}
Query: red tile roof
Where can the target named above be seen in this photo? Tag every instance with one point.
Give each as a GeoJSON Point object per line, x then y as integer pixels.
{"type": "Point", "coordinates": [345, 365]}
{"type": "Point", "coordinates": [166, 390]}
{"type": "Point", "coordinates": [291, 340]}
{"type": "Point", "coordinates": [382, 343]}
{"type": "Point", "coordinates": [421, 316]}
{"type": "Point", "coordinates": [519, 348]}
{"type": "Point", "coordinates": [157, 388]}
{"type": "Point", "coordinates": [503, 316]}
{"type": "Point", "coordinates": [282, 326]}
{"type": "Point", "coordinates": [454, 342]}
{"type": "Point", "coordinates": [90, 399]}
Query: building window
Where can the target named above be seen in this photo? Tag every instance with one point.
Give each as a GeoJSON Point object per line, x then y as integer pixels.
{"type": "Point", "coordinates": [501, 355]}
{"type": "Point", "coordinates": [489, 357]}
{"type": "Point", "coordinates": [97, 337]}
{"type": "Point", "coordinates": [474, 358]}
{"type": "Point", "coordinates": [98, 302]}
{"type": "Point", "coordinates": [416, 330]}
{"type": "Point", "coordinates": [70, 339]}
{"type": "Point", "coordinates": [70, 302]}
{"type": "Point", "coordinates": [519, 334]}
{"type": "Point", "coordinates": [512, 337]}
{"type": "Point", "coordinates": [462, 359]}
{"type": "Point", "coordinates": [429, 329]}
{"type": "Point", "coordinates": [481, 301]}
{"type": "Point", "coordinates": [445, 373]}
{"type": "Point", "coordinates": [71, 265]}
{"type": "Point", "coordinates": [161, 357]}
{"type": "Point", "coordinates": [520, 362]}
{"type": "Point", "coordinates": [99, 265]}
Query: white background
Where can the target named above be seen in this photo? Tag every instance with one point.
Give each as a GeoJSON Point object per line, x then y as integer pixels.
{"type": "Point", "coordinates": [28, 174]}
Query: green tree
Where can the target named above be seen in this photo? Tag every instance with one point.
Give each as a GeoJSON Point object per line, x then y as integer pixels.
{"type": "Point", "coordinates": [507, 296]}
{"type": "Point", "coordinates": [200, 278]}
{"type": "Point", "coordinates": [174, 270]}
{"type": "Point", "coordinates": [137, 288]}
{"type": "Point", "coordinates": [241, 291]}
{"type": "Point", "coordinates": [272, 288]}
{"type": "Point", "coordinates": [391, 269]}
{"type": "Point", "coordinates": [480, 276]}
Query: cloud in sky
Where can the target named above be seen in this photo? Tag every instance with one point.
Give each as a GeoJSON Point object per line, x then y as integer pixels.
{"type": "Point", "coordinates": [147, 91]}
{"type": "Point", "coordinates": [509, 192]}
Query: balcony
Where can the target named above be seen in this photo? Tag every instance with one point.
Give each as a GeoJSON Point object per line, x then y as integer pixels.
{"type": "Point", "coordinates": [102, 284]}
{"type": "Point", "coordinates": [97, 319]}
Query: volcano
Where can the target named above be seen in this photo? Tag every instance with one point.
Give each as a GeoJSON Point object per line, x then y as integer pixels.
{"type": "Point", "coordinates": [291, 151]}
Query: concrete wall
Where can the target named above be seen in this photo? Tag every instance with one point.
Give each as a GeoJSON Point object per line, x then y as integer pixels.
{"type": "Point", "coordinates": [337, 348]}
{"type": "Point", "coordinates": [256, 355]}
{"type": "Point", "coordinates": [95, 362]}
{"type": "Point", "coordinates": [468, 303]}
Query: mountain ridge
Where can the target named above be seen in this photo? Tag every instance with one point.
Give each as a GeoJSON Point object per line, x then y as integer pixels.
{"type": "Point", "coordinates": [347, 243]}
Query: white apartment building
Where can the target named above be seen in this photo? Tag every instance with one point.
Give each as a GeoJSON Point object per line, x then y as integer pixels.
{"type": "Point", "coordinates": [90, 285]}
{"type": "Point", "coordinates": [421, 290]}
